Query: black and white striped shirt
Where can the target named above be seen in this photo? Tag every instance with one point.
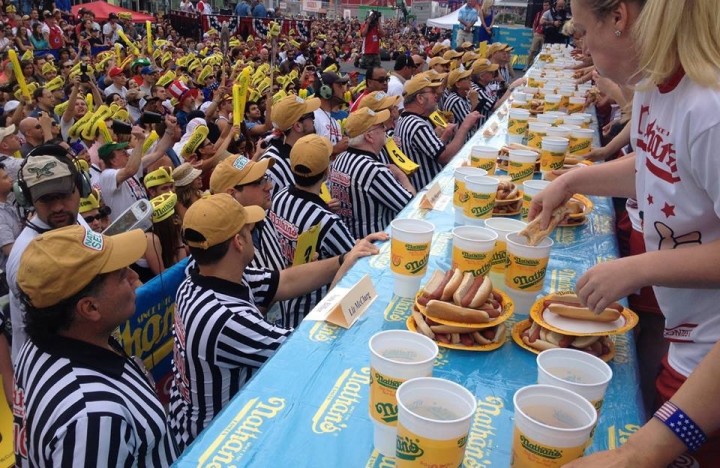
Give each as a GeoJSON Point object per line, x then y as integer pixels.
{"type": "Point", "coordinates": [370, 197]}
{"type": "Point", "coordinates": [459, 106]}
{"type": "Point", "coordinates": [219, 340]}
{"type": "Point", "coordinates": [280, 172]}
{"type": "Point", "coordinates": [293, 212]}
{"type": "Point", "coordinates": [486, 101]}
{"type": "Point", "coordinates": [77, 404]}
{"type": "Point", "coordinates": [420, 143]}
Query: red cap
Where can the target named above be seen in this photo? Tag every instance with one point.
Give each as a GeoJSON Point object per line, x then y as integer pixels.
{"type": "Point", "coordinates": [115, 71]}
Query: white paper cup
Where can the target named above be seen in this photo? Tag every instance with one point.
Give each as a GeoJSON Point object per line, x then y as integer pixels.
{"type": "Point", "coordinates": [395, 356]}
{"type": "Point", "coordinates": [552, 426]}
{"type": "Point", "coordinates": [581, 141]}
{"type": "Point", "coordinates": [460, 196]}
{"type": "Point", "coordinates": [502, 227]}
{"type": "Point", "coordinates": [536, 131]}
{"type": "Point", "coordinates": [409, 253]}
{"type": "Point", "coordinates": [484, 157]}
{"type": "Point", "coordinates": [548, 119]}
{"type": "Point", "coordinates": [575, 370]}
{"type": "Point", "coordinates": [433, 422]}
{"type": "Point", "coordinates": [517, 124]}
{"type": "Point", "coordinates": [481, 191]}
{"type": "Point", "coordinates": [552, 101]}
{"type": "Point", "coordinates": [530, 189]}
{"type": "Point", "coordinates": [588, 119]}
{"type": "Point", "coordinates": [558, 132]}
{"type": "Point", "coordinates": [521, 166]}
{"type": "Point", "coordinates": [473, 249]}
{"type": "Point", "coordinates": [573, 119]}
{"type": "Point", "coordinates": [526, 264]}
{"type": "Point", "coordinates": [552, 156]}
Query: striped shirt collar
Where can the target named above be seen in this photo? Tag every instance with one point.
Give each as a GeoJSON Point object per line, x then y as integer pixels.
{"type": "Point", "coordinates": [308, 196]}
{"type": "Point", "coordinates": [88, 355]}
{"type": "Point", "coordinates": [358, 151]}
{"type": "Point", "coordinates": [222, 286]}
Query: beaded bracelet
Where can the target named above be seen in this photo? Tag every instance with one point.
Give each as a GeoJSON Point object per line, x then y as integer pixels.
{"type": "Point", "coordinates": [682, 425]}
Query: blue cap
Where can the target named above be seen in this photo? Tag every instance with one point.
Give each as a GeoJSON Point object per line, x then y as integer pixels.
{"type": "Point", "coordinates": [147, 71]}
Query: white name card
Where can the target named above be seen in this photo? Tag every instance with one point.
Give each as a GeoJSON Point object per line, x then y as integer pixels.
{"type": "Point", "coordinates": [343, 306]}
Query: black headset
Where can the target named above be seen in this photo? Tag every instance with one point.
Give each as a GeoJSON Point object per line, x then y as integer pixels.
{"type": "Point", "coordinates": [325, 91]}
{"type": "Point", "coordinates": [80, 177]}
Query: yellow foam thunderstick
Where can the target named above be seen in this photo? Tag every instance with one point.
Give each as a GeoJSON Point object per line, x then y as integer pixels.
{"type": "Point", "coordinates": [60, 108]}
{"type": "Point", "coordinates": [197, 137]}
{"type": "Point", "coordinates": [121, 114]}
{"type": "Point", "coordinates": [149, 141]}
{"type": "Point", "coordinates": [407, 165]}
{"type": "Point", "coordinates": [128, 42]}
{"type": "Point", "coordinates": [17, 71]}
{"type": "Point", "coordinates": [166, 78]}
{"type": "Point", "coordinates": [240, 91]}
{"type": "Point", "coordinates": [438, 120]}
{"type": "Point", "coordinates": [274, 30]}
{"type": "Point", "coordinates": [75, 129]}
{"type": "Point", "coordinates": [104, 132]}
{"type": "Point", "coordinates": [279, 95]}
{"type": "Point", "coordinates": [89, 101]}
{"type": "Point", "coordinates": [148, 30]}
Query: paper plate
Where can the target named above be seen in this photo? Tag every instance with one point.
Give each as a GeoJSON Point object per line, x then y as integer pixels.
{"type": "Point", "coordinates": [567, 326]}
{"type": "Point", "coordinates": [410, 322]}
{"type": "Point", "coordinates": [507, 305]}
{"type": "Point", "coordinates": [587, 206]}
{"type": "Point", "coordinates": [520, 327]}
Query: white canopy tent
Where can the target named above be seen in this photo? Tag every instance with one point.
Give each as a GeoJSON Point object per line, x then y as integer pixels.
{"type": "Point", "coordinates": [451, 19]}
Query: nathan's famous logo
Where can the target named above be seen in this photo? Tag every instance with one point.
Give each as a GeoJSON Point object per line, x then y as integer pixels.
{"type": "Point", "coordinates": [479, 211]}
{"type": "Point", "coordinates": [408, 449]}
{"type": "Point", "coordinates": [416, 266]}
{"type": "Point", "coordinates": [540, 450]}
{"type": "Point", "coordinates": [526, 281]}
{"type": "Point", "coordinates": [340, 402]}
{"type": "Point", "coordinates": [237, 437]}
{"type": "Point", "coordinates": [323, 332]}
{"type": "Point", "coordinates": [531, 262]}
{"type": "Point", "coordinates": [473, 255]}
{"type": "Point", "coordinates": [528, 171]}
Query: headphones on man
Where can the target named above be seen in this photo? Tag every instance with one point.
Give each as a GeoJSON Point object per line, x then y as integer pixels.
{"type": "Point", "coordinates": [325, 91]}
{"type": "Point", "coordinates": [81, 178]}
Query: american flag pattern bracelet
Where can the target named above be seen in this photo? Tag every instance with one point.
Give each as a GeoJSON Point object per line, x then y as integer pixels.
{"type": "Point", "coordinates": [682, 425]}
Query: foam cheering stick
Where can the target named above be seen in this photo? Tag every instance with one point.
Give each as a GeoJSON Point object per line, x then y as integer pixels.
{"type": "Point", "coordinates": [104, 132]}
{"type": "Point", "coordinates": [149, 141]}
{"type": "Point", "coordinates": [118, 52]}
{"type": "Point", "coordinates": [240, 92]}
{"type": "Point", "coordinates": [149, 37]}
{"type": "Point", "coordinates": [89, 102]}
{"type": "Point", "coordinates": [128, 42]}
{"type": "Point", "coordinates": [398, 157]}
{"type": "Point", "coordinates": [17, 71]}
{"type": "Point", "coordinates": [196, 138]}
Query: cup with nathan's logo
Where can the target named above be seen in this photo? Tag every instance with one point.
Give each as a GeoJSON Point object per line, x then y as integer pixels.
{"type": "Point", "coordinates": [484, 157]}
{"type": "Point", "coordinates": [536, 131]}
{"type": "Point", "coordinates": [395, 356]}
{"type": "Point", "coordinates": [581, 141]}
{"type": "Point", "coordinates": [526, 264]}
{"type": "Point", "coordinates": [530, 189]}
{"type": "Point", "coordinates": [517, 124]}
{"type": "Point", "coordinates": [460, 195]}
{"type": "Point", "coordinates": [481, 191]}
{"type": "Point", "coordinates": [521, 166]}
{"type": "Point", "coordinates": [434, 417]}
{"type": "Point", "coordinates": [552, 426]}
{"type": "Point", "coordinates": [409, 254]}
{"type": "Point", "coordinates": [552, 156]}
{"type": "Point", "coordinates": [502, 227]}
{"type": "Point", "coordinates": [473, 248]}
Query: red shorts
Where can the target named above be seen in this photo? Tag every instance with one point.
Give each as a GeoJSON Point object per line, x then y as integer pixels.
{"type": "Point", "coordinates": [667, 384]}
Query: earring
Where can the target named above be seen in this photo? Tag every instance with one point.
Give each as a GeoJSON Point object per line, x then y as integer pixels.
{"type": "Point", "coordinates": [618, 33]}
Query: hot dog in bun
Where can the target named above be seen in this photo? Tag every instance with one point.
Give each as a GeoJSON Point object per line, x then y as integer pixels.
{"type": "Point", "coordinates": [568, 305]}
{"type": "Point", "coordinates": [542, 339]}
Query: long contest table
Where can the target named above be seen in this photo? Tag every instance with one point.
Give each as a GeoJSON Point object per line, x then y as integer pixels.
{"type": "Point", "coordinates": [308, 406]}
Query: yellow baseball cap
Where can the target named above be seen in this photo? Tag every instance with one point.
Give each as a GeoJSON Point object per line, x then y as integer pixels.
{"type": "Point", "coordinates": [451, 55]}
{"type": "Point", "coordinates": [217, 218]}
{"type": "Point", "coordinates": [237, 170]}
{"type": "Point", "coordinates": [361, 120]}
{"type": "Point", "coordinates": [289, 109]}
{"type": "Point", "coordinates": [310, 155]}
{"type": "Point", "coordinates": [90, 203]}
{"type": "Point", "coordinates": [457, 75]}
{"type": "Point", "coordinates": [378, 100]}
{"type": "Point", "coordinates": [58, 264]}
{"type": "Point", "coordinates": [438, 61]}
{"type": "Point", "coordinates": [418, 83]}
{"type": "Point", "coordinates": [483, 65]}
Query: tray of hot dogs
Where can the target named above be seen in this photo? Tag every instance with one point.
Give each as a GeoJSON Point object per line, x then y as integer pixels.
{"type": "Point", "coordinates": [461, 311]}
{"type": "Point", "coordinates": [534, 338]}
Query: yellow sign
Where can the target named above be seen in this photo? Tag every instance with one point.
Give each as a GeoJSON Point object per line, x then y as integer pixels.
{"type": "Point", "coordinates": [7, 452]}
{"type": "Point", "coordinates": [325, 193]}
{"type": "Point", "coordinates": [307, 244]}
{"type": "Point", "coordinates": [405, 164]}
{"type": "Point", "coordinates": [438, 120]}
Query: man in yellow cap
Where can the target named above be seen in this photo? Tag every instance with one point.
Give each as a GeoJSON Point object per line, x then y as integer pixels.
{"type": "Point", "coordinates": [74, 382]}
{"type": "Point", "coordinates": [483, 76]}
{"type": "Point", "coordinates": [458, 100]}
{"type": "Point", "coordinates": [158, 182]}
{"type": "Point", "coordinates": [376, 102]}
{"type": "Point", "coordinates": [416, 134]}
{"type": "Point", "coordinates": [220, 336]}
{"type": "Point", "coordinates": [371, 193]}
{"type": "Point", "coordinates": [90, 211]}
{"type": "Point", "coordinates": [294, 118]}
{"type": "Point", "coordinates": [439, 64]}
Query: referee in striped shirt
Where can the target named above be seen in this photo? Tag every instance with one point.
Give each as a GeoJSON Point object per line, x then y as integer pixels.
{"type": "Point", "coordinates": [79, 399]}
{"type": "Point", "coordinates": [292, 118]}
{"type": "Point", "coordinates": [298, 208]}
{"type": "Point", "coordinates": [417, 137]}
{"type": "Point", "coordinates": [370, 192]}
{"type": "Point", "coordinates": [378, 101]}
{"type": "Point", "coordinates": [457, 102]}
{"type": "Point", "coordinates": [220, 337]}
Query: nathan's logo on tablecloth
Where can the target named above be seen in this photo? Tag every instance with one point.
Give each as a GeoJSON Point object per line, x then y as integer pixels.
{"type": "Point", "coordinates": [398, 309]}
{"type": "Point", "coordinates": [323, 332]}
{"type": "Point", "coordinates": [340, 402]}
{"type": "Point", "coordinates": [239, 435]}
{"type": "Point", "coordinates": [482, 432]}
{"type": "Point", "coordinates": [381, 261]}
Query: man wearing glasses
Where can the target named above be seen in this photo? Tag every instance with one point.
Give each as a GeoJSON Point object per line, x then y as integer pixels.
{"type": "Point", "coordinates": [376, 79]}
{"type": "Point", "coordinates": [404, 69]}
{"type": "Point", "coordinates": [417, 135]}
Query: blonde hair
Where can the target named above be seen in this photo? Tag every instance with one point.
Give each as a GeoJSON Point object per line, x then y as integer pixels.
{"type": "Point", "coordinates": [487, 4]}
{"type": "Point", "coordinates": [671, 34]}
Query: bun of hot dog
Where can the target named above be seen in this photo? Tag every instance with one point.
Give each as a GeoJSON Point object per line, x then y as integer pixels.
{"type": "Point", "coordinates": [449, 311]}
{"type": "Point", "coordinates": [459, 297]}
{"type": "Point", "coordinates": [452, 285]}
{"type": "Point", "coordinates": [569, 306]}
{"type": "Point", "coordinates": [472, 291]}
{"type": "Point", "coordinates": [541, 339]}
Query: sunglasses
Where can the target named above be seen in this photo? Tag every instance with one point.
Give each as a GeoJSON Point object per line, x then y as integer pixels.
{"type": "Point", "coordinates": [90, 219]}
{"type": "Point", "coordinates": [261, 181]}
{"type": "Point", "coordinates": [305, 117]}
